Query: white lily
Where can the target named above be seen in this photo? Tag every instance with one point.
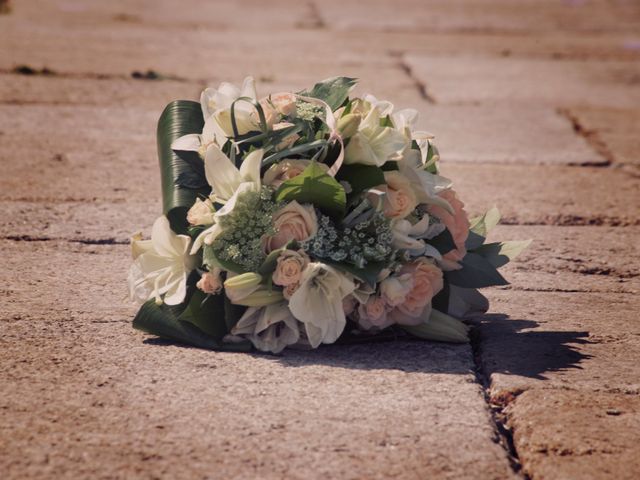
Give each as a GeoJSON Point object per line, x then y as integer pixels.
{"type": "Point", "coordinates": [409, 237]}
{"type": "Point", "coordinates": [270, 328]}
{"type": "Point", "coordinates": [375, 144]}
{"type": "Point", "coordinates": [216, 105]}
{"type": "Point", "coordinates": [161, 265]}
{"type": "Point", "coordinates": [225, 178]}
{"type": "Point", "coordinates": [318, 302]}
{"type": "Point", "coordinates": [426, 185]}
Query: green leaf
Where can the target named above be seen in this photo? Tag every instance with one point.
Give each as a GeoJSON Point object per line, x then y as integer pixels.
{"type": "Point", "coordinates": [368, 274]}
{"type": "Point", "coordinates": [483, 224]}
{"type": "Point", "coordinates": [440, 327]}
{"type": "Point", "coordinates": [360, 177]}
{"type": "Point", "coordinates": [473, 240]}
{"type": "Point", "coordinates": [207, 313]}
{"type": "Point", "coordinates": [476, 272]}
{"type": "Point", "coordinates": [443, 243]}
{"type": "Point", "coordinates": [179, 118]}
{"type": "Point", "coordinates": [314, 186]}
{"type": "Point", "coordinates": [464, 301]}
{"type": "Point", "coordinates": [334, 91]}
{"type": "Point", "coordinates": [164, 321]}
{"type": "Point", "coordinates": [232, 312]}
{"type": "Point", "coordinates": [499, 254]}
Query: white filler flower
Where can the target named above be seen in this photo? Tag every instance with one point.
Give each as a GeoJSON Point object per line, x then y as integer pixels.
{"type": "Point", "coordinates": [160, 265]}
{"type": "Point", "coordinates": [318, 302]}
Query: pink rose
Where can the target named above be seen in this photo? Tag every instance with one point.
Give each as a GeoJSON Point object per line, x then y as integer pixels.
{"type": "Point", "coordinates": [285, 170]}
{"type": "Point", "coordinates": [400, 199]}
{"type": "Point", "coordinates": [284, 103]}
{"type": "Point", "coordinates": [457, 224]}
{"type": "Point", "coordinates": [210, 282]}
{"type": "Point", "coordinates": [292, 222]}
{"type": "Point", "coordinates": [373, 313]}
{"type": "Point", "coordinates": [287, 141]}
{"type": "Point", "coordinates": [290, 265]}
{"type": "Point", "coordinates": [427, 282]}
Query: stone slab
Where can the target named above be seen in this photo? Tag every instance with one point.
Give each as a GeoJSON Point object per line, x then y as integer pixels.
{"type": "Point", "coordinates": [566, 434]}
{"type": "Point", "coordinates": [565, 340]}
{"type": "Point", "coordinates": [504, 133]}
{"type": "Point", "coordinates": [548, 195]}
{"type": "Point", "coordinates": [616, 130]}
{"type": "Point", "coordinates": [533, 17]}
{"type": "Point", "coordinates": [84, 395]}
{"type": "Point", "coordinates": [490, 80]}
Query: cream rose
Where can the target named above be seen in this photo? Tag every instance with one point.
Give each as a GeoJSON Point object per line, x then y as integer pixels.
{"type": "Point", "coordinates": [285, 170]}
{"type": "Point", "coordinates": [289, 267]}
{"type": "Point", "coordinates": [394, 289]}
{"type": "Point", "coordinates": [210, 282]}
{"type": "Point", "coordinates": [457, 224]}
{"type": "Point", "coordinates": [290, 289]}
{"type": "Point", "coordinates": [292, 222]}
{"type": "Point", "coordinates": [400, 199]}
{"type": "Point", "coordinates": [427, 282]}
{"type": "Point", "coordinates": [201, 213]}
{"type": "Point", "coordinates": [287, 141]}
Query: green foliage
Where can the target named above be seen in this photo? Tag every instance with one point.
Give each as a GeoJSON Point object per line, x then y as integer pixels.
{"type": "Point", "coordinates": [314, 186]}
{"type": "Point", "coordinates": [476, 272]}
{"type": "Point", "coordinates": [179, 118]}
{"type": "Point", "coordinates": [188, 323]}
{"type": "Point", "coordinates": [360, 177]}
{"type": "Point", "coordinates": [334, 91]}
{"type": "Point", "coordinates": [440, 327]}
{"type": "Point", "coordinates": [444, 242]}
{"type": "Point", "coordinates": [483, 224]}
{"type": "Point", "coordinates": [499, 254]}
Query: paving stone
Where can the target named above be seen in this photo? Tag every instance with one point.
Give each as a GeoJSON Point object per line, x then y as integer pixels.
{"type": "Point", "coordinates": [491, 80]}
{"type": "Point", "coordinates": [108, 403]}
{"type": "Point", "coordinates": [57, 90]}
{"type": "Point", "coordinates": [567, 434]}
{"type": "Point", "coordinates": [586, 341]}
{"type": "Point", "coordinates": [504, 133]}
{"type": "Point", "coordinates": [88, 222]}
{"type": "Point", "coordinates": [551, 195]}
{"type": "Point", "coordinates": [614, 130]}
{"type": "Point", "coordinates": [495, 16]}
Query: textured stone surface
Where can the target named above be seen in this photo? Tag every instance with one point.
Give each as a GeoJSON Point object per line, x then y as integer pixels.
{"type": "Point", "coordinates": [515, 86]}
{"type": "Point", "coordinates": [474, 79]}
{"type": "Point", "coordinates": [568, 434]}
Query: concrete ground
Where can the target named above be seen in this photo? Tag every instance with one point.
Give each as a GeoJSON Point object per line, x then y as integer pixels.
{"type": "Point", "coordinates": [536, 105]}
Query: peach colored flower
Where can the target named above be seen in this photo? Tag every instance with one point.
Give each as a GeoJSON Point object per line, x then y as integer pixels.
{"type": "Point", "coordinates": [373, 313]}
{"type": "Point", "coordinates": [290, 289]}
{"type": "Point", "coordinates": [427, 282]}
{"type": "Point", "coordinates": [285, 170]}
{"type": "Point", "coordinates": [457, 224]}
{"type": "Point", "coordinates": [349, 304]}
{"type": "Point", "coordinates": [292, 222]}
{"type": "Point", "coordinates": [210, 282]}
{"type": "Point", "coordinates": [284, 103]}
{"type": "Point", "coordinates": [290, 265]}
{"type": "Point", "coordinates": [400, 199]}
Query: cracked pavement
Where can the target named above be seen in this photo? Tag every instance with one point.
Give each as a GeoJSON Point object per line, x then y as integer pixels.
{"type": "Point", "coordinates": [535, 107]}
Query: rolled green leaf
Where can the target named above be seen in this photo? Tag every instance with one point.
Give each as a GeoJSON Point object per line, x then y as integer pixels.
{"type": "Point", "coordinates": [179, 118]}
{"type": "Point", "coordinates": [440, 327]}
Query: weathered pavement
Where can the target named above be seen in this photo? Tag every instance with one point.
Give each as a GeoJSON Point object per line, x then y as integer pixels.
{"type": "Point", "coordinates": [536, 106]}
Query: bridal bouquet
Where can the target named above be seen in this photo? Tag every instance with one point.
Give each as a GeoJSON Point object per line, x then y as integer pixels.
{"type": "Point", "coordinates": [306, 218]}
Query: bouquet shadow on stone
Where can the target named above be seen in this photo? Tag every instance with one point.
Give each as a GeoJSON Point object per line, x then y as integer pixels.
{"type": "Point", "coordinates": [307, 218]}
